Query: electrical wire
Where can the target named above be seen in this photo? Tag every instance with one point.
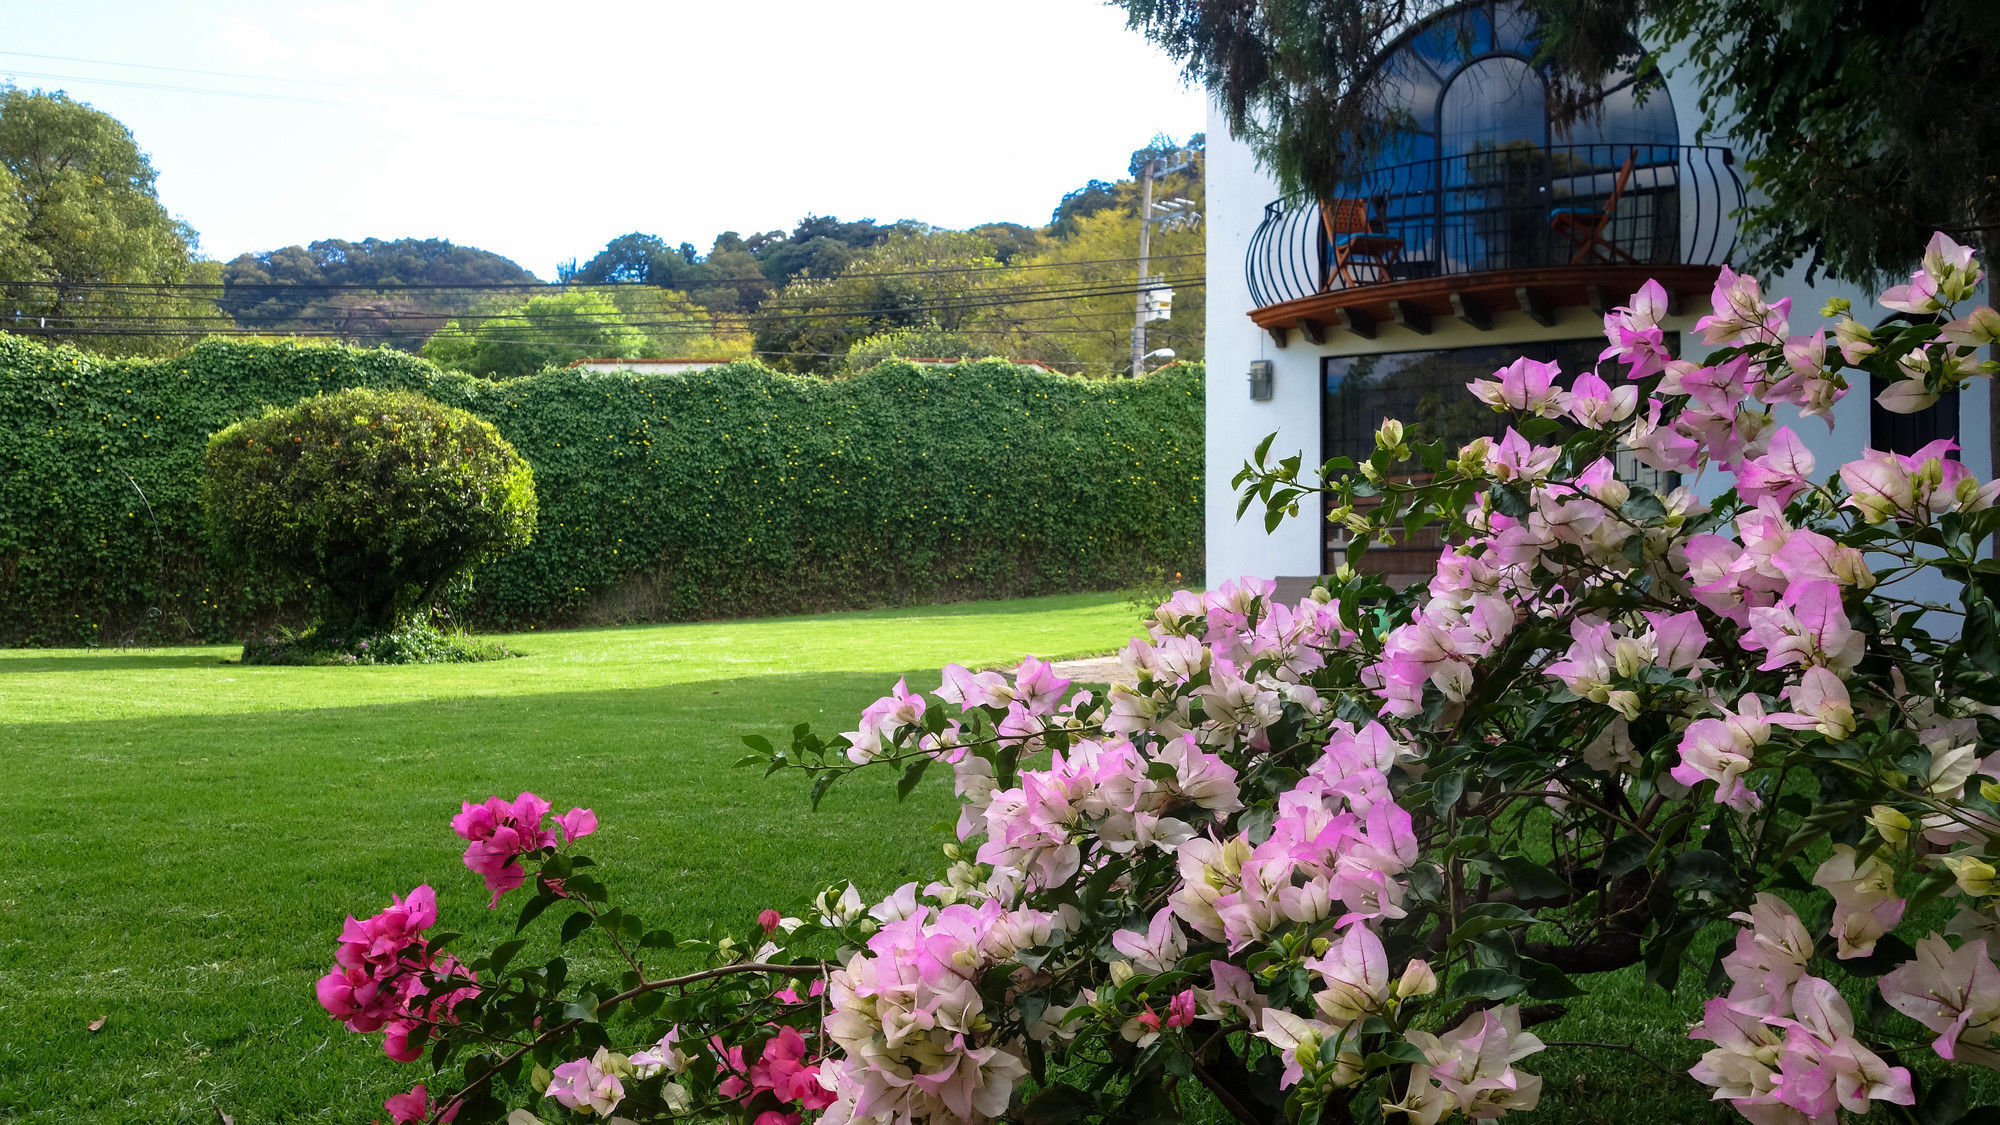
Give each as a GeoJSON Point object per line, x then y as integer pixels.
{"type": "Point", "coordinates": [419, 286]}
{"type": "Point", "coordinates": [995, 299]}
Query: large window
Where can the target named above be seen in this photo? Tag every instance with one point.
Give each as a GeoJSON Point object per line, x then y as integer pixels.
{"type": "Point", "coordinates": [1907, 433]}
{"type": "Point", "coordinates": [1426, 392]}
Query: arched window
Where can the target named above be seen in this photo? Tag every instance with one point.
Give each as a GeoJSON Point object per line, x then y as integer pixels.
{"type": "Point", "coordinates": [1468, 74]}
{"type": "Point", "coordinates": [1474, 173]}
{"type": "Point", "coordinates": [1492, 103]}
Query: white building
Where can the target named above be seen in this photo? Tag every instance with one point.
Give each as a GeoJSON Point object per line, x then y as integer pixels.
{"type": "Point", "coordinates": [1482, 235]}
{"type": "Point", "coordinates": [673, 365]}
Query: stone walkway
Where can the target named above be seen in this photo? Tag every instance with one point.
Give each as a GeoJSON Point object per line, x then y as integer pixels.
{"type": "Point", "coordinates": [1095, 670]}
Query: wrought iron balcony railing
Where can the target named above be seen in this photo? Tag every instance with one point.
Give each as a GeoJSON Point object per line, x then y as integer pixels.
{"type": "Point", "coordinates": [1513, 207]}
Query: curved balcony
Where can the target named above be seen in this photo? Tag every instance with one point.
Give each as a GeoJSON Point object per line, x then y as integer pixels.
{"type": "Point", "coordinates": [1520, 227]}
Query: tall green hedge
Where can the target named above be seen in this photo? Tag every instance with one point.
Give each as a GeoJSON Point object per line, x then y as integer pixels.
{"type": "Point", "coordinates": [732, 491]}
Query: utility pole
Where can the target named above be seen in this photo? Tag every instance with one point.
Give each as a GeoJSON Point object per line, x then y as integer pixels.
{"type": "Point", "coordinates": [1151, 306]}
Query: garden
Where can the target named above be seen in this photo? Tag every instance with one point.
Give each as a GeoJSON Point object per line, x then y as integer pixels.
{"type": "Point", "coordinates": [1647, 803]}
{"type": "Point", "coordinates": [181, 831]}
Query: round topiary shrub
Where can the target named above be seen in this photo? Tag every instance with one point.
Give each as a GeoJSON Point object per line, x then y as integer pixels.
{"type": "Point", "coordinates": [379, 500]}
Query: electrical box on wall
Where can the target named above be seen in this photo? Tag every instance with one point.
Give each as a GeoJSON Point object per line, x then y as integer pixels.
{"type": "Point", "coordinates": [1260, 380]}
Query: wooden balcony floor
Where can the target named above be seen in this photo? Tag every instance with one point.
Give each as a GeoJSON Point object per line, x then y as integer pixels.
{"type": "Point", "coordinates": [1414, 304]}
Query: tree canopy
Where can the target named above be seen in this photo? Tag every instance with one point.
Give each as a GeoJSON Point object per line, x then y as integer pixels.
{"type": "Point", "coordinates": [1854, 117]}
{"type": "Point", "coordinates": [362, 290]}
{"type": "Point", "coordinates": [84, 241]}
{"type": "Point", "coordinates": [512, 336]}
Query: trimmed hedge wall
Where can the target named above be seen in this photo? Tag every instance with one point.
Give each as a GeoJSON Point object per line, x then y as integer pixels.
{"type": "Point", "coordinates": [732, 491]}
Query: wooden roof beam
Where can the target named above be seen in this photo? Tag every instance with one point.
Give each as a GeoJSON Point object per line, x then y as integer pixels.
{"type": "Point", "coordinates": [1472, 311]}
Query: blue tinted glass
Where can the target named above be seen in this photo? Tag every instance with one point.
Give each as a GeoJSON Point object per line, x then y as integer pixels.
{"type": "Point", "coordinates": [1484, 106]}
{"type": "Point", "coordinates": [1492, 104]}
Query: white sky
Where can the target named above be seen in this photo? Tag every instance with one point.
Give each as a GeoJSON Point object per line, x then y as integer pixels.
{"type": "Point", "coordinates": [540, 131]}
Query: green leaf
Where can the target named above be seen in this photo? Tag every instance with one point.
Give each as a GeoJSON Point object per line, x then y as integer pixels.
{"type": "Point", "coordinates": [574, 925]}
{"type": "Point", "coordinates": [1702, 870]}
{"type": "Point", "coordinates": [820, 785]}
{"type": "Point", "coordinates": [1060, 1105]}
{"type": "Point", "coordinates": [658, 939]}
{"type": "Point", "coordinates": [1488, 984]}
{"type": "Point", "coordinates": [1510, 501]}
{"type": "Point", "coordinates": [1485, 924]}
{"type": "Point", "coordinates": [1531, 882]}
{"type": "Point", "coordinates": [1395, 1051]}
{"type": "Point", "coordinates": [1366, 1106]}
{"type": "Point", "coordinates": [532, 909]}
{"type": "Point", "coordinates": [582, 1008]}
{"type": "Point", "coordinates": [496, 963]}
{"type": "Point", "coordinates": [1944, 1100]}
{"type": "Point", "coordinates": [1641, 506]}
{"type": "Point", "coordinates": [912, 774]}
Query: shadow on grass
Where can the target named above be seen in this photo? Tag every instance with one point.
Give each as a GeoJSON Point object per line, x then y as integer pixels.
{"type": "Point", "coordinates": [98, 660]}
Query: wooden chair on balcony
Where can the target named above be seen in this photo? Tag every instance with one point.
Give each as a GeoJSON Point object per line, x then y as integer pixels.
{"type": "Point", "coordinates": [1584, 227]}
{"type": "Point", "coordinates": [1354, 241]}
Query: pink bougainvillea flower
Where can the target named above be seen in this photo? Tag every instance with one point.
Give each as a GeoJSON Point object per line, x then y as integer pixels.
{"type": "Point", "coordinates": [576, 824]}
{"type": "Point", "coordinates": [416, 1106]}
{"type": "Point", "coordinates": [768, 920]}
{"type": "Point", "coordinates": [1474, 1063]}
{"type": "Point", "coordinates": [1780, 474]}
{"type": "Point", "coordinates": [501, 832]}
{"type": "Point", "coordinates": [1770, 956]}
{"type": "Point", "coordinates": [1865, 905]}
{"type": "Point", "coordinates": [1355, 970]}
{"type": "Point", "coordinates": [1158, 950]}
{"type": "Point", "coordinates": [586, 1084]}
{"type": "Point", "coordinates": [1525, 385]}
{"type": "Point", "coordinates": [1720, 750]}
{"type": "Point", "coordinates": [1956, 994]}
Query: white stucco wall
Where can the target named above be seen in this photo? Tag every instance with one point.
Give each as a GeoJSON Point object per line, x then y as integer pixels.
{"type": "Point", "coordinates": [1237, 192]}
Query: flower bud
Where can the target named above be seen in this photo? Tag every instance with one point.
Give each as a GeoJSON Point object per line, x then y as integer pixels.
{"type": "Point", "coordinates": [1390, 435]}
{"type": "Point", "coordinates": [1418, 980]}
{"type": "Point", "coordinates": [1121, 971]}
{"type": "Point", "coordinates": [1855, 340]}
{"type": "Point", "coordinates": [1975, 875]}
{"type": "Point", "coordinates": [1834, 307]}
{"type": "Point", "coordinates": [1320, 945]}
{"type": "Point", "coordinates": [1891, 825]}
{"type": "Point", "coordinates": [1990, 790]}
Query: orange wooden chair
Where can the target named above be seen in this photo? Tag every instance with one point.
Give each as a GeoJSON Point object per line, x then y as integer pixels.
{"type": "Point", "coordinates": [1355, 241]}
{"type": "Point", "coordinates": [1584, 226]}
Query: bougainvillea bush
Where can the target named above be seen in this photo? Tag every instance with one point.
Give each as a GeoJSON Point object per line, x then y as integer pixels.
{"type": "Point", "coordinates": [1334, 861]}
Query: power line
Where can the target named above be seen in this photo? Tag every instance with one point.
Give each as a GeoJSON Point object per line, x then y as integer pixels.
{"type": "Point", "coordinates": [965, 302]}
{"type": "Point", "coordinates": [419, 286]}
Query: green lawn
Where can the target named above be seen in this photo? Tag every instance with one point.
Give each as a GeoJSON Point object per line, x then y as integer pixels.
{"type": "Point", "coordinates": [182, 837]}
